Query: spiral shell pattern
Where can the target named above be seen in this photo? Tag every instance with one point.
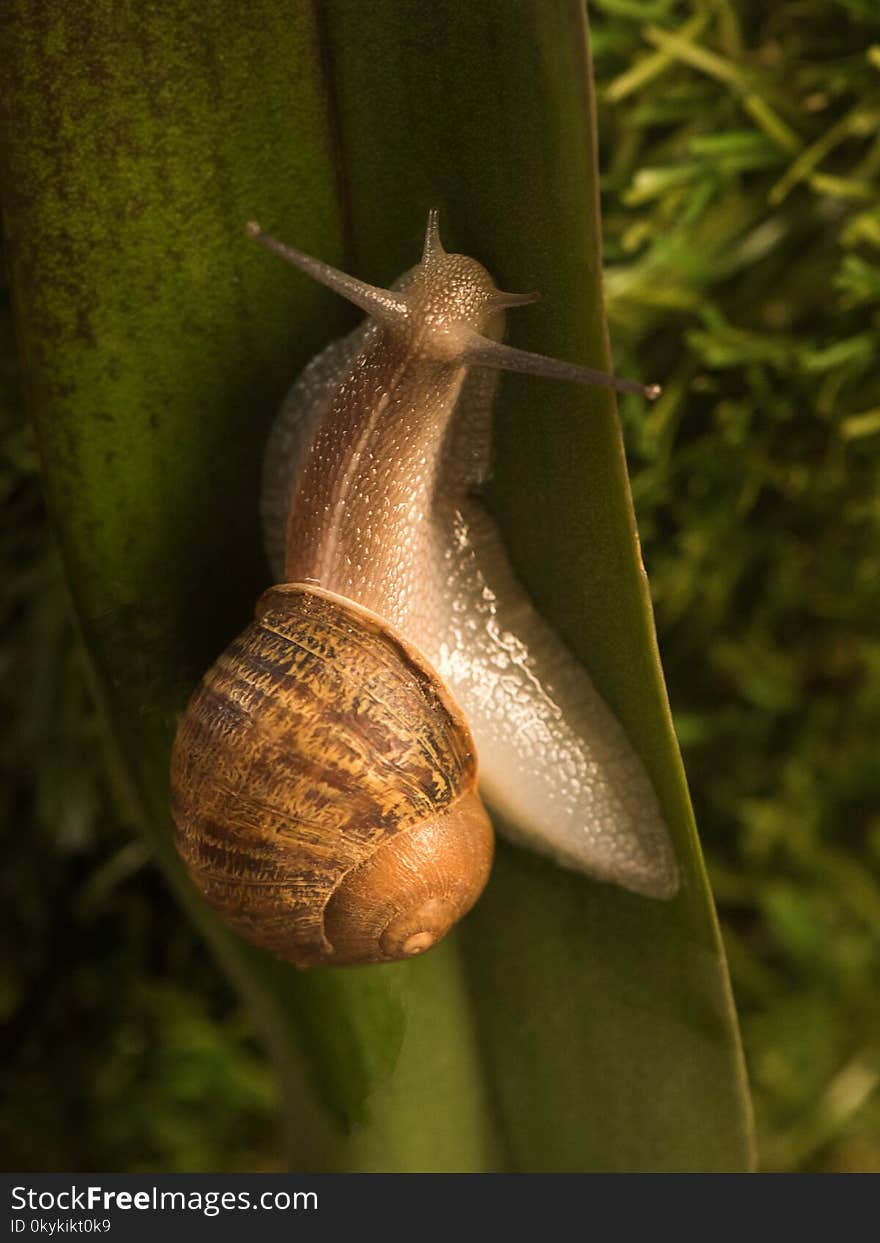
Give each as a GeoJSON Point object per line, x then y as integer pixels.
{"type": "Point", "coordinates": [324, 787]}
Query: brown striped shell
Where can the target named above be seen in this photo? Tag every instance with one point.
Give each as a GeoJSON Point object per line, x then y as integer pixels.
{"type": "Point", "coordinates": [324, 787]}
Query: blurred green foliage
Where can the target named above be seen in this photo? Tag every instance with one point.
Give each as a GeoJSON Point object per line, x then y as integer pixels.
{"type": "Point", "coordinates": [742, 234]}
{"type": "Point", "coordinates": [742, 247]}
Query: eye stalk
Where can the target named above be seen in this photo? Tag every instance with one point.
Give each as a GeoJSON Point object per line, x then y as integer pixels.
{"type": "Point", "coordinates": [380, 303]}
{"type": "Point", "coordinates": [480, 352]}
{"type": "Point", "coordinates": [454, 272]}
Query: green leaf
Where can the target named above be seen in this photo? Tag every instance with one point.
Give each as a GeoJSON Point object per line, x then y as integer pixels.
{"type": "Point", "coordinates": [566, 1025]}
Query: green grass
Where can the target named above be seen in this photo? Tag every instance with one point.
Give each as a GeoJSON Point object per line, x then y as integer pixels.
{"type": "Point", "coordinates": [742, 248]}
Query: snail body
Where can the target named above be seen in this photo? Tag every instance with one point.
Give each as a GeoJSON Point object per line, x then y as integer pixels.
{"type": "Point", "coordinates": [370, 522]}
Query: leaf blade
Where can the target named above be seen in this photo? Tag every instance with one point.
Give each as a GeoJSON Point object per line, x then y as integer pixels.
{"type": "Point", "coordinates": [151, 334]}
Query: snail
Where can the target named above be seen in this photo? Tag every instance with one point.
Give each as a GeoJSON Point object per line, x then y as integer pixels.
{"type": "Point", "coordinates": [324, 774]}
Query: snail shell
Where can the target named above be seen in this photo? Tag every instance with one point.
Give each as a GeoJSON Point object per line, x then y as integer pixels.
{"type": "Point", "coordinates": [324, 787]}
